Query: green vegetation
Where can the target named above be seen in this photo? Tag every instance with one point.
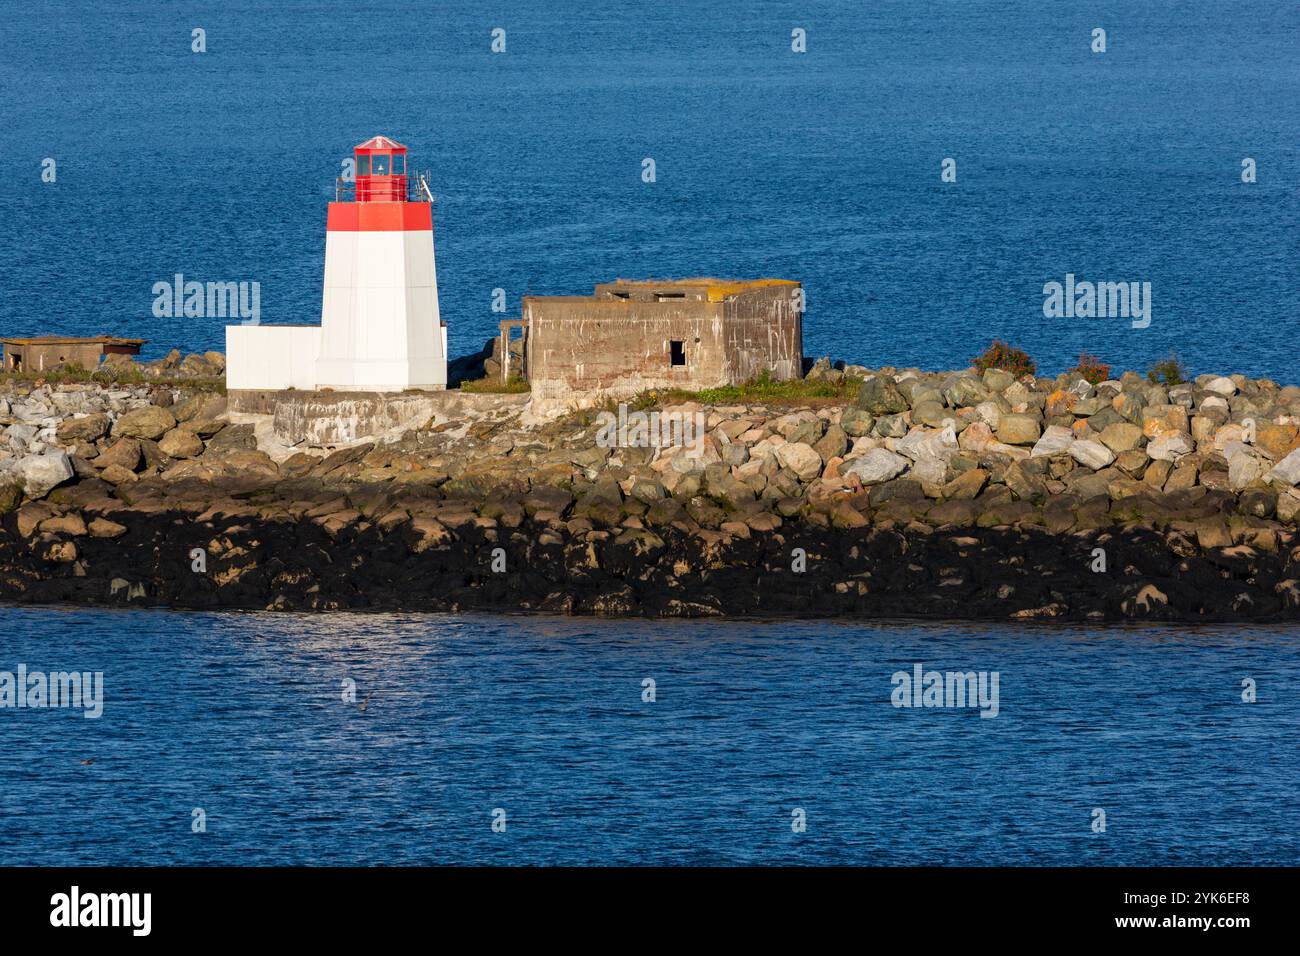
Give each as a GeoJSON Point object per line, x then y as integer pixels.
{"type": "Point", "coordinates": [494, 386]}
{"type": "Point", "coordinates": [1002, 356]}
{"type": "Point", "coordinates": [762, 390]}
{"type": "Point", "coordinates": [1168, 372]}
{"type": "Point", "coordinates": [126, 373]}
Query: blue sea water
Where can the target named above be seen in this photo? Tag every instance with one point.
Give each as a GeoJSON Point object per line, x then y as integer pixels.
{"type": "Point", "coordinates": [823, 166]}
{"type": "Point", "coordinates": [242, 716]}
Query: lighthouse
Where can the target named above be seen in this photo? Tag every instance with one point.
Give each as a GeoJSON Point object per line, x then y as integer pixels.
{"type": "Point", "coordinates": [380, 327]}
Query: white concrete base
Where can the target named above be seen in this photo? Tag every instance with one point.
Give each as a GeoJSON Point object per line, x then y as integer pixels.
{"type": "Point", "coordinates": [272, 356]}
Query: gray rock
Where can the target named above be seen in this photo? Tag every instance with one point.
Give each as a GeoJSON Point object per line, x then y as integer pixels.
{"type": "Point", "coordinates": [1055, 441]}
{"type": "Point", "coordinates": [880, 396]}
{"type": "Point", "coordinates": [891, 426]}
{"type": "Point", "coordinates": [877, 465]}
{"type": "Point", "coordinates": [1287, 470]}
{"type": "Point", "coordinates": [1170, 446]}
{"type": "Point", "coordinates": [930, 412]}
{"type": "Point", "coordinates": [965, 390]}
{"type": "Point", "coordinates": [1092, 454]}
{"type": "Point", "coordinates": [1244, 469]}
{"type": "Point", "coordinates": [919, 444]}
{"type": "Point", "coordinates": [856, 422]}
{"type": "Point", "coordinates": [42, 473]}
{"type": "Point", "coordinates": [931, 471]}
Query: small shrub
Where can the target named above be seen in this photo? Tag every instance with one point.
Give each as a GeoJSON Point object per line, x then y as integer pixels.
{"type": "Point", "coordinates": [1093, 369]}
{"type": "Point", "coordinates": [492, 384]}
{"type": "Point", "coordinates": [1002, 356]}
{"type": "Point", "coordinates": [1167, 372]}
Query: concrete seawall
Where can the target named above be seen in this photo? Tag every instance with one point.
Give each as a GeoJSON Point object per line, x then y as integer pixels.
{"type": "Point", "coordinates": [318, 418]}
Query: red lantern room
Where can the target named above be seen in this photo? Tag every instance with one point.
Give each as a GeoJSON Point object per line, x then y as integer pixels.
{"type": "Point", "coordinates": [381, 170]}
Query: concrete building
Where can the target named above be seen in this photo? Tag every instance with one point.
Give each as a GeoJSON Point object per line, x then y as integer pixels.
{"type": "Point", "coordinates": [51, 351]}
{"type": "Point", "coordinates": [630, 336]}
{"type": "Point", "coordinates": [380, 327]}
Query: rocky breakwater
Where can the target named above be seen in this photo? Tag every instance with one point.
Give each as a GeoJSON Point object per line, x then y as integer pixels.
{"type": "Point", "coordinates": [957, 495]}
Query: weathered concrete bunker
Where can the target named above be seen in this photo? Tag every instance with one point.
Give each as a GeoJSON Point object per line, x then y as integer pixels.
{"type": "Point", "coordinates": [630, 336]}
{"type": "Point", "coordinates": [53, 351]}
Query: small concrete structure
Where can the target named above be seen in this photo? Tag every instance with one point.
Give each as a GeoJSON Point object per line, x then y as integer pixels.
{"type": "Point", "coordinates": [380, 329]}
{"type": "Point", "coordinates": [630, 336]}
{"type": "Point", "coordinates": [51, 351]}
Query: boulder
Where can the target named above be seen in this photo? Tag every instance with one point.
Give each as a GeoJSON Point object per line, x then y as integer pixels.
{"type": "Point", "coordinates": [1170, 446]}
{"type": "Point", "coordinates": [931, 413]}
{"type": "Point", "coordinates": [117, 475]}
{"type": "Point", "coordinates": [1019, 429]}
{"type": "Point", "coordinates": [1277, 441]}
{"type": "Point", "coordinates": [149, 422]}
{"type": "Point", "coordinates": [86, 428]}
{"type": "Point", "coordinates": [242, 463]}
{"type": "Point", "coordinates": [1163, 419]}
{"type": "Point", "coordinates": [70, 524]}
{"type": "Point", "coordinates": [967, 485]}
{"type": "Point", "coordinates": [998, 380]}
{"type": "Point", "coordinates": [241, 437]}
{"type": "Point", "coordinates": [123, 453]}
{"type": "Point", "coordinates": [1287, 470]}
{"type": "Point", "coordinates": [1121, 437]}
{"type": "Point", "coordinates": [856, 422]}
{"type": "Point", "coordinates": [975, 438]}
{"type": "Point", "coordinates": [920, 444]}
{"type": "Point", "coordinates": [42, 473]}
{"type": "Point", "coordinates": [180, 443]}
{"type": "Point", "coordinates": [1091, 454]}
{"type": "Point", "coordinates": [891, 426]}
{"type": "Point", "coordinates": [800, 458]}
{"type": "Point", "coordinates": [880, 396]}
{"type": "Point", "coordinates": [833, 444]}
{"type": "Point", "coordinates": [876, 466]}
{"type": "Point", "coordinates": [103, 528]}
{"type": "Point", "coordinates": [1056, 440]}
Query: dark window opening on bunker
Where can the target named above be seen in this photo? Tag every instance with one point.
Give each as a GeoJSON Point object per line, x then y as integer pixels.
{"type": "Point", "coordinates": [678, 351]}
{"type": "Point", "coordinates": [621, 295]}
{"type": "Point", "coordinates": [660, 296]}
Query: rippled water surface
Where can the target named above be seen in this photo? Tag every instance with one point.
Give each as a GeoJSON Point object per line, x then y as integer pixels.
{"type": "Point", "coordinates": [241, 715]}
{"type": "Point", "coordinates": [822, 167]}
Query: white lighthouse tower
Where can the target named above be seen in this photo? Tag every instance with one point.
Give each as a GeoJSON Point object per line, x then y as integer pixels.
{"type": "Point", "coordinates": [380, 329]}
